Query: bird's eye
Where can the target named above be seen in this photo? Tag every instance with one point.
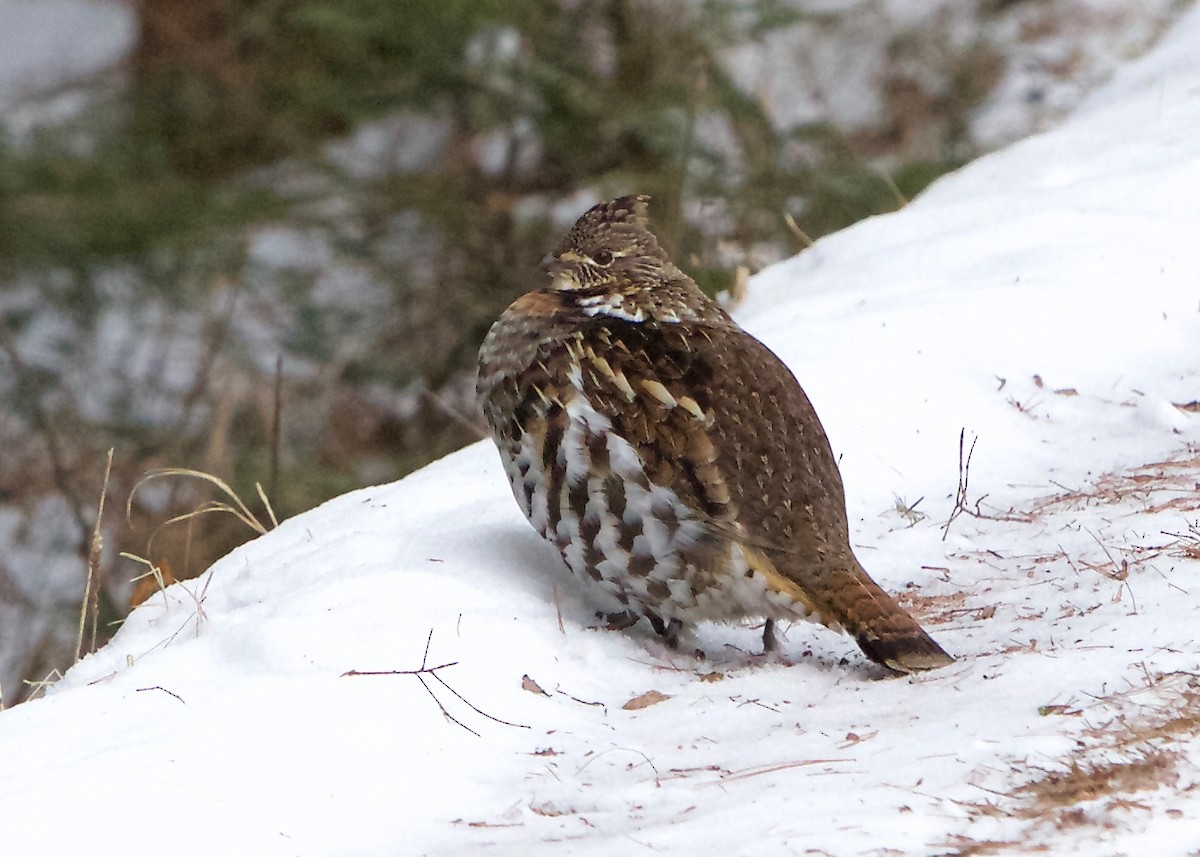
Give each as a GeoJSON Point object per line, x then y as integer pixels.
{"type": "Point", "coordinates": [603, 258]}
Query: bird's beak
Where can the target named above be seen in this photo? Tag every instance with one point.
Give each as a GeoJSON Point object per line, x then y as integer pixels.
{"type": "Point", "coordinates": [560, 273]}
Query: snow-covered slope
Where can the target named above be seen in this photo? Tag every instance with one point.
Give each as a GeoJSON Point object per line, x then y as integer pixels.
{"type": "Point", "coordinates": [1045, 299]}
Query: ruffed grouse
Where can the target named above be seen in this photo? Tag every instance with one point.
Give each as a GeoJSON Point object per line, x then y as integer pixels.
{"type": "Point", "coordinates": [671, 458]}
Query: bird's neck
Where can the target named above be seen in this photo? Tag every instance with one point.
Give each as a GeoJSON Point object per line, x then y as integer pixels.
{"type": "Point", "coordinates": [666, 302]}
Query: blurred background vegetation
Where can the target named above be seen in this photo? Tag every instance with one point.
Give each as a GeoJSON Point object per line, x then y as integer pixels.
{"type": "Point", "coordinates": [269, 243]}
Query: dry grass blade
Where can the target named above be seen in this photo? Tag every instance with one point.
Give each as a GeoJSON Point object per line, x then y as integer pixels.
{"type": "Point", "coordinates": [262, 495]}
{"type": "Point", "coordinates": [40, 686]}
{"type": "Point", "coordinates": [207, 508]}
{"type": "Point", "coordinates": [804, 237]}
{"type": "Point", "coordinates": [1137, 748]}
{"type": "Point", "coordinates": [1169, 484]}
{"type": "Point", "coordinates": [1188, 544]}
{"type": "Point", "coordinates": [153, 571]}
{"type": "Point", "coordinates": [238, 509]}
{"type": "Point", "coordinates": [782, 766]}
{"type": "Point", "coordinates": [901, 199]}
{"type": "Point", "coordinates": [1077, 783]}
{"type": "Point", "coordinates": [91, 589]}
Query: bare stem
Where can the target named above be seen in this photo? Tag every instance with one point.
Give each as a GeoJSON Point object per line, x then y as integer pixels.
{"type": "Point", "coordinates": [432, 672]}
{"type": "Point", "coordinates": [964, 476]}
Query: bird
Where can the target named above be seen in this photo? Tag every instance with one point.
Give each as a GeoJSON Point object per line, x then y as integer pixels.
{"type": "Point", "coordinates": [673, 459]}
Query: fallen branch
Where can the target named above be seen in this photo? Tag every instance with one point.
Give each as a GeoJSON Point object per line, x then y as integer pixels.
{"type": "Point", "coordinates": [424, 671]}
{"type": "Point", "coordinates": [163, 689]}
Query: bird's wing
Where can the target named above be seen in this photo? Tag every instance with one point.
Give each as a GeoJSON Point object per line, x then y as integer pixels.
{"type": "Point", "coordinates": [717, 418]}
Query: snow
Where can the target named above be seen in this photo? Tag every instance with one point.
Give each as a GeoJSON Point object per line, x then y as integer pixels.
{"type": "Point", "coordinates": [47, 44]}
{"type": "Point", "coordinates": [854, 62]}
{"type": "Point", "coordinates": [219, 719]}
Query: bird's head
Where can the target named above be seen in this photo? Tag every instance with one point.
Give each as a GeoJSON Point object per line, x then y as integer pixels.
{"type": "Point", "coordinates": [610, 246]}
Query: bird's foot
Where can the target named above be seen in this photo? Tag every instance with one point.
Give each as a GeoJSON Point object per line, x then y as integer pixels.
{"type": "Point", "coordinates": [618, 621]}
{"type": "Point", "coordinates": [668, 630]}
{"type": "Point", "coordinates": [673, 634]}
{"type": "Point", "coordinates": [770, 638]}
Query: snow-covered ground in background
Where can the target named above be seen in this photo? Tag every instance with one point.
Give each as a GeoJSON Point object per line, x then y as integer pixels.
{"type": "Point", "coordinates": [854, 63]}
{"type": "Point", "coordinates": [1046, 299]}
{"type": "Point", "coordinates": [832, 65]}
{"type": "Point", "coordinates": [51, 44]}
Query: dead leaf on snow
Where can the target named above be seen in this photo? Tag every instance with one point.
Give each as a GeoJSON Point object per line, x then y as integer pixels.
{"type": "Point", "coordinates": [645, 700]}
{"type": "Point", "coordinates": [532, 686]}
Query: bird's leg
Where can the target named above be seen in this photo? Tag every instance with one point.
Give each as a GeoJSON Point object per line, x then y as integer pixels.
{"type": "Point", "coordinates": [669, 631]}
{"type": "Point", "coordinates": [770, 640]}
{"type": "Point", "coordinates": [619, 621]}
{"type": "Point", "coordinates": [672, 633]}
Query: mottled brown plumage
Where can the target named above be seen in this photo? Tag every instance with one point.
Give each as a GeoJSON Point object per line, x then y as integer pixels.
{"type": "Point", "coordinates": [672, 459]}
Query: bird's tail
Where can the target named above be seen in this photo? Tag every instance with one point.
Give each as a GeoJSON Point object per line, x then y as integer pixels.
{"type": "Point", "coordinates": [844, 596]}
{"type": "Point", "coordinates": [883, 629]}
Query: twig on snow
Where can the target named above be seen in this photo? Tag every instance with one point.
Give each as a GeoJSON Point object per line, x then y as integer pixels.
{"type": "Point", "coordinates": [424, 671]}
{"type": "Point", "coordinates": [964, 475]}
{"type": "Point", "coordinates": [960, 494]}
